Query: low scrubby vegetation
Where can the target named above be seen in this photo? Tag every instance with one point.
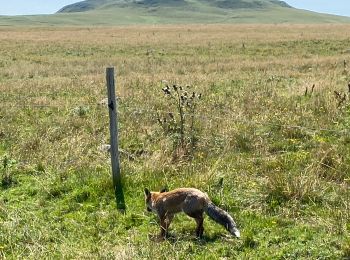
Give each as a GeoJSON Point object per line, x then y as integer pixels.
{"type": "Point", "coordinates": [261, 123]}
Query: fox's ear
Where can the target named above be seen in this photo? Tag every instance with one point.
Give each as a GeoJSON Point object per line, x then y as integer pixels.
{"type": "Point", "coordinates": [147, 192]}
{"type": "Point", "coordinates": [165, 189]}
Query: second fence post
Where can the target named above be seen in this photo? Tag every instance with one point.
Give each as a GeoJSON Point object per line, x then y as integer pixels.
{"type": "Point", "coordinates": [113, 123]}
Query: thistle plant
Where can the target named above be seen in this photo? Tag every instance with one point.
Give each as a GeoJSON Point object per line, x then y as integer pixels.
{"type": "Point", "coordinates": [6, 177]}
{"type": "Point", "coordinates": [180, 124]}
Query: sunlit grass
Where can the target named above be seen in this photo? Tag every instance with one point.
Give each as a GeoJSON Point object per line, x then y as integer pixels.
{"type": "Point", "coordinates": [275, 157]}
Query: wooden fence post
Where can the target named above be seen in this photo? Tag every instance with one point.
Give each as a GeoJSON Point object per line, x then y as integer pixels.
{"type": "Point", "coordinates": [113, 123]}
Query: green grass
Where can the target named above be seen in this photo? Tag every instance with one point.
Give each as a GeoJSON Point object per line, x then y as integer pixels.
{"type": "Point", "coordinates": [275, 158]}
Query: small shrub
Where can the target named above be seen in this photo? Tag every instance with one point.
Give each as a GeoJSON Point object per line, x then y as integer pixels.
{"type": "Point", "coordinates": [180, 125]}
{"type": "Point", "coordinates": [7, 179]}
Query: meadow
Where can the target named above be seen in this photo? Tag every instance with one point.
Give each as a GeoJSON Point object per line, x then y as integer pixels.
{"type": "Point", "coordinates": [268, 140]}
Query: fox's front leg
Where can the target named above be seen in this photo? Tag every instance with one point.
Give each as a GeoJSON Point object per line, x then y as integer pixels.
{"type": "Point", "coordinates": [165, 221]}
{"type": "Point", "coordinates": [163, 227]}
{"type": "Point", "coordinates": [168, 219]}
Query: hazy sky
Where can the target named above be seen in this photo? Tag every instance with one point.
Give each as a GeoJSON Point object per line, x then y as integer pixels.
{"type": "Point", "coordinates": [18, 7]}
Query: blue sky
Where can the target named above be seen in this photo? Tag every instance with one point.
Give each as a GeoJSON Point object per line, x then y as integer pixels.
{"type": "Point", "coordinates": [19, 7]}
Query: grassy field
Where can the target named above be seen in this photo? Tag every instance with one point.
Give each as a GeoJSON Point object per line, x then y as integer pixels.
{"type": "Point", "coordinates": [275, 157]}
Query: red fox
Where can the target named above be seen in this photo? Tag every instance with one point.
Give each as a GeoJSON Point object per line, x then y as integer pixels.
{"type": "Point", "coordinates": [191, 201]}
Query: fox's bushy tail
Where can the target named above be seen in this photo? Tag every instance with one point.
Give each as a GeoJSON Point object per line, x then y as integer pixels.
{"type": "Point", "coordinates": [222, 217]}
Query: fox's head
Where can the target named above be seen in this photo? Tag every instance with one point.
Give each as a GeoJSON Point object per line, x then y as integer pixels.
{"type": "Point", "coordinates": [148, 198]}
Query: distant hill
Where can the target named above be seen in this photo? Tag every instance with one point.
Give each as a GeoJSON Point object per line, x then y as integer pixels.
{"type": "Point", "coordinates": [224, 4]}
{"type": "Point", "coordinates": [124, 12]}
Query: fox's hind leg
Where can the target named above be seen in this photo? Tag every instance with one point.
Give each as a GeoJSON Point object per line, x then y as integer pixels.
{"type": "Point", "coordinates": [200, 228]}
{"type": "Point", "coordinates": [198, 217]}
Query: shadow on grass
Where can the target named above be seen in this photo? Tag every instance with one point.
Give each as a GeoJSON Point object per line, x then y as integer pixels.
{"type": "Point", "coordinates": [172, 238]}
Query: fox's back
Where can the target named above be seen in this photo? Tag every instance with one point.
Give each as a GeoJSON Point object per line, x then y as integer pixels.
{"type": "Point", "coordinates": [182, 199]}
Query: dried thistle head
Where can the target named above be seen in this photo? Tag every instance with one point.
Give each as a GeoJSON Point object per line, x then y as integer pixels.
{"type": "Point", "coordinates": [166, 90]}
